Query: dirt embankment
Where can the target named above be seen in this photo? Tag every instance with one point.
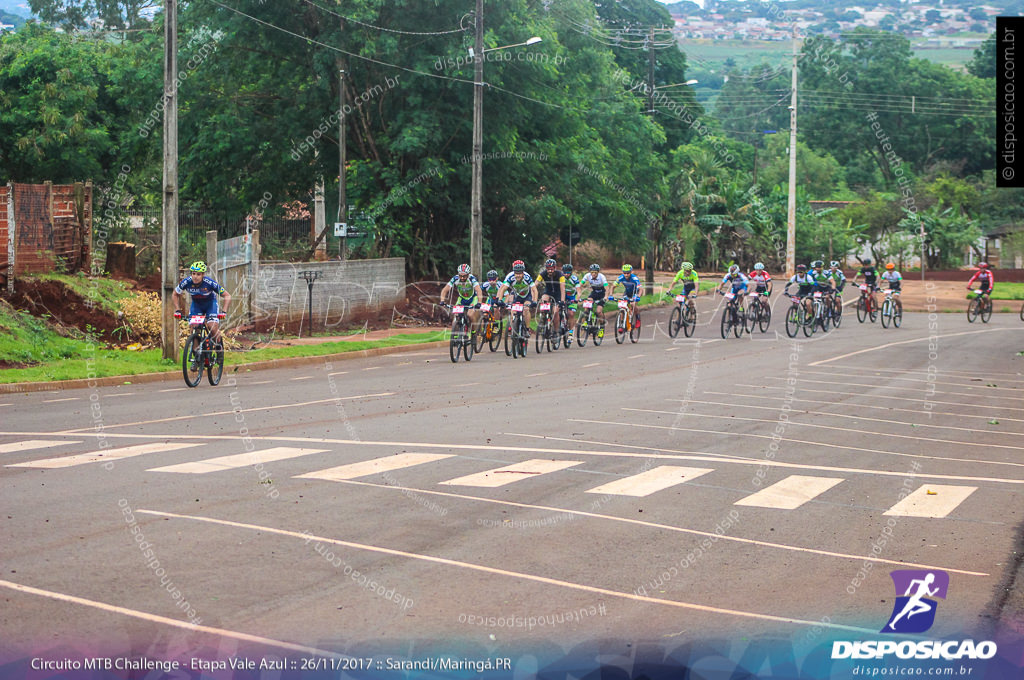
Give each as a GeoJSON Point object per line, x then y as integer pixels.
{"type": "Point", "coordinates": [64, 307]}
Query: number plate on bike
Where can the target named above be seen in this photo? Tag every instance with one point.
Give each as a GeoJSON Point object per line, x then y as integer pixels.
{"type": "Point", "coordinates": [680, 298]}
{"type": "Point", "coordinates": [754, 295]}
{"type": "Point", "coordinates": [485, 307]}
{"type": "Point", "coordinates": [729, 296]}
{"type": "Point", "coordinates": [864, 288]}
{"type": "Point", "coordinates": [458, 309]}
{"type": "Point", "coordinates": [623, 304]}
{"type": "Point", "coordinates": [517, 307]}
{"type": "Point", "coordinates": [545, 307]}
{"type": "Point", "coordinates": [587, 304]}
{"type": "Point", "coordinates": [197, 320]}
{"type": "Point", "coordinates": [817, 294]}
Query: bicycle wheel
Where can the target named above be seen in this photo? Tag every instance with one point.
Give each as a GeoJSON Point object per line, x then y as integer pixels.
{"type": "Point", "coordinates": [886, 313]}
{"type": "Point", "coordinates": [468, 343]}
{"type": "Point", "coordinates": [216, 367]}
{"type": "Point", "coordinates": [750, 318]}
{"type": "Point", "coordinates": [598, 331]}
{"type": "Point", "coordinates": [972, 310]}
{"type": "Point", "coordinates": [508, 337]}
{"type": "Point", "coordinates": [524, 338]}
{"type": "Point", "coordinates": [822, 316]}
{"type": "Point", "coordinates": [837, 313]}
{"type": "Point", "coordinates": [634, 332]}
{"type": "Point", "coordinates": [986, 311]}
{"type": "Point", "coordinates": [675, 320]}
{"type": "Point", "coordinates": [582, 331]}
{"type": "Point", "coordinates": [794, 319]}
{"type": "Point", "coordinates": [873, 310]}
{"type": "Point", "coordinates": [192, 360]}
{"type": "Point", "coordinates": [1022, 312]}
{"type": "Point", "coordinates": [541, 327]}
{"type": "Point", "coordinates": [897, 316]}
{"type": "Point", "coordinates": [726, 323]}
{"type": "Point", "coordinates": [689, 321]}
{"type": "Point", "coordinates": [480, 336]}
{"type": "Point", "coordinates": [455, 341]}
{"type": "Point", "coordinates": [739, 321]}
{"type": "Point", "coordinates": [810, 321]}
{"type": "Point", "coordinates": [495, 329]}
{"type": "Point", "coordinates": [620, 327]}
{"type": "Point", "coordinates": [764, 320]}
{"type": "Point", "coordinates": [862, 309]}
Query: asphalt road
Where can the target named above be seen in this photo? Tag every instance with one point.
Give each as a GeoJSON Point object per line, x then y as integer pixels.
{"type": "Point", "coordinates": [663, 490]}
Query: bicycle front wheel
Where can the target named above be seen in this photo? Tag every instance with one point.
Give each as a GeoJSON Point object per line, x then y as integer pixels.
{"type": "Point", "coordinates": [810, 321]}
{"type": "Point", "coordinates": [675, 320]}
{"type": "Point", "coordinates": [886, 313]}
{"type": "Point", "coordinates": [1022, 312]}
{"type": "Point", "coordinates": [986, 311]}
{"type": "Point", "coordinates": [897, 316]}
{"type": "Point", "coordinates": [972, 310]}
{"type": "Point", "coordinates": [216, 368]}
{"type": "Point", "coordinates": [794, 319]}
{"type": "Point", "coordinates": [837, 313]}
{"type": "Point", "coordinates": [634, 332]}
{"type": "Point", "coordinates": [582, 330]}
{"type": "Point", "coordinates": [862, 309]}
{"type": "Point", "coordinates": [764, 320]}
{"type": "Point", "coordinates": [494, 329]}
{"type": "Point", "coordinates": [620, 327]}
{"type": "Point", "coordinates": [455, 342]}
{"type": "Point", "coordinates": [192, 360]}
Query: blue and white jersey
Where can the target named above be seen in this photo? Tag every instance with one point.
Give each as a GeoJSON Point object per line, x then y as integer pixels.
{"type": "Point", "coordinates": [738, 281]}
{"type": "Point", "coordinates": [203, 290]}
{"type": "Point", "coordinates": [631, 283]}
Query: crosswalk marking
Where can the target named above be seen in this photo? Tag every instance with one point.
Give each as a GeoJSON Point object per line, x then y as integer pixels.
{"type": "Point", "coordinates": [646, 483]}
{"type": "Point", "coordinates": [369, 467]}
{"type": "Point", "coordinates": [512, 473]}
{"type": "Point", "coordinates": [105, 455]}
{"type": "Point", "coordinates": [790, 493]}
{"type": "Point", "coordinates": [931, 500]}
{"type": "Point", "coordinates": [238, 460]}
{"type": "Point", "coordinates": [33, 444]}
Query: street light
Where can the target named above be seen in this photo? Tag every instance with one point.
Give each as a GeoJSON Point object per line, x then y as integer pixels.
{"type": "Point", "coordinates": [665, 87]}
{"type": "Point", "coordinates": [476, 229]}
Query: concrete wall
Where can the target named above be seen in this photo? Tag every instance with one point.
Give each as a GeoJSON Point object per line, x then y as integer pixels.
{"type": "Point", "coordinates": [342, 291]}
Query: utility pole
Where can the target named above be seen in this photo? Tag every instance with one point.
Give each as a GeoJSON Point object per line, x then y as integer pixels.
{"type": "Point", "coordinates": [649, 259]}
{"type": "Point", "coordinates": [169, 259]}
{"type": "Point", "coordinates": [476, 230]}
{"type": "Point", "coordinates": [791, 215]}
{"type": "Point", "coordinates": [342, 205]}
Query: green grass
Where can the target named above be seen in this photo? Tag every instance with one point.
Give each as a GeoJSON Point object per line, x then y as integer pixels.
{"type": "Point", "coordinates": [1005, 291]}
{"type": "Point", "coordinates": [27, 339]}
{"type": "Point", "coordinates": [79, 359]}
{"type": "Point", "coordinates": [102, 290]}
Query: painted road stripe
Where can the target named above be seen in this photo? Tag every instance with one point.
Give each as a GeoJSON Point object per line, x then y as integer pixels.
{"type": "Point", "coordinates": [926, 338]}
{"type": "Point", "coordinates": [931, 500]}
{"type": "Point", "coordinates": [904, 388]}
{"type": "Point", "coordinates": [173, 389]}
{"type": "Point", "coordinates": [592, 365]}
{"type": "Point", "coordinates": [377, 465]}
{"type": "Point", "coordinates": [301, 377]}
{"type": "Point", "coordinates": [671, 349]}
{"type": "Point", "coordinates": [980, 384]}
{"type": "Point", "coordinates": [651, 481]}
{"type": "Point", "coordinates": [105, 455]}
{"type": "Point", "coordinates": [238, 460]}
{"type": "Point", "coordinates": [54, 401]}
{"type": "Point", "coordinates": [512, 473]}
{"type": "Point", "coordinates": [790, 493]}
{"type": "Point", "coordinates": [29, 444]}
{"type": "Point", "coordinates": [877, 397]}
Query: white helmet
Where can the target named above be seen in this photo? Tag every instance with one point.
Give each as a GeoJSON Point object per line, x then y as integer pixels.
{"type": "Point", "coordinates": [759, 266]}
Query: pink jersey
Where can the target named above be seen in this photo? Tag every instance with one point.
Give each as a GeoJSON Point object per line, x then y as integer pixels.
{"type": "Point", "coordinates": [760, 277]}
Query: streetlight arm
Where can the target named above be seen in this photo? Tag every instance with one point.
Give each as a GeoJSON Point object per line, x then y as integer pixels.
{"type": "Point", "coordinates": [532, 41]}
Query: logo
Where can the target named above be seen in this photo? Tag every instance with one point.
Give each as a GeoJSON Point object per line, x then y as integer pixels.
{"type": "Point", "coordinates": [914, 610]}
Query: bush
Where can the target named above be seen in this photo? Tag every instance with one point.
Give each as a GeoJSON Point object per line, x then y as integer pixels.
{"type": "Point", "coordinates": [140, 316]}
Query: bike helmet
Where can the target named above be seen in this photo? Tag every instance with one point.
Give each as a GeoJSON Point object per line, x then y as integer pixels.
{"type": "Point", "coordinates": [759, 266]}
{"type": "Point", "coordinates": [492, 275]}
{"type": "Point", "coordinates": [801, 267]}
{"type": "Point", "coordinates": [567, 269]}
{"type": "Point", "coordinates": [463, 270]}
{"type": "Point", "coordinates": [867, 261]}
{"type": "Point", "coordinates": [734, 269]}
{"type": "Point", "coordinates": [687, 266]}
{"type": "Point", "coordinates": [199, 267]}
{"type": "Point", "coordinates": [595, 267]}
{"type": "Point", "coordinates": [550, 264]}
{"type": "Point", "coordinates": [817, 264]}
{"type": "Point", "coordinates": [518, 266]}
{"type": "Point", "coordinates": [890, 266]}
{"type": "Point", "coordinates": [627, 268]}
{"type": "Point", "coordinates": [983, 265]}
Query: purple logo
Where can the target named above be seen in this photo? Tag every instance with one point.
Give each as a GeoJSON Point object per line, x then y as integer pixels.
{"type": "Point", "coordinates": [914, 610]}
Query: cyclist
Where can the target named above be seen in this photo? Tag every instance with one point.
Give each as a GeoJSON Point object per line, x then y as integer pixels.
{"type": "Point", "coordinates": [469, 294]}
{"type": "Point", "coordinates": [895, 282]}
{"type": "Point", "coordinates": [986, 278]}
{"type": "Point", "coordinates": [762, 279]}
{"type": "Point", "coordinates": [598, 285]}
{"type": "Point", "coordinates": [518, 287]}
{"type": "Point", "coordinates": [552, 283]}
{"type": "Point", "coordinates": [630, 285]}
{"type": "Point", "coordinates": [203, 291]}
{"type": "Point", "coordinates": [870, 274]}
{"type": "Point", "coordinates": [571, 282]}
{"type": "Point", "coordinates": [691, 282]}
{"type": "Point", "coordinates": [806, 285]}
{"type": "Point", "coordinates": [737, 279]}
{"type": "Point", "coordinates": [490, 289]}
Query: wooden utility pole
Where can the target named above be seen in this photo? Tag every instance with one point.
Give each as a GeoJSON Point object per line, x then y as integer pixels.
{"type": "Point", "coordinates": [649, 259]}
{"type": "Point", "coordinates": [169, 260]}
{"type": "Point", "coordinates": [476, 226]}
{"type": "Point", "coordinates": [342, 206]}
{"type": "Point", "coordinates": [791, 214]}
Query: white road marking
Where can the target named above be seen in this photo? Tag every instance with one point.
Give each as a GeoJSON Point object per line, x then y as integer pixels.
{"type": "Point", "coordinates": [952, 374]}
{"type": "Point", "coordinates": [596, 363]}
{"type": "Point", "coordinates": [244, 410]}
{"type": "Point", "coordinates": [238, 460]}
{"type": "Point", "coordinates": [665, 527]}
{"type": "Point", "coordinates": [931, 500]}
{"type": "Point", "coordinates": [466, 384]}
{"type": "Point", "coordinates": [119, 394]}
{"type": "Point", "coordinates": [790, 493]}
{"type": "Point", "coordinates": [876, 397]}
{"type": "Point", "coordinates": [155, 618]}
{"type": "Point", "coordinates": [29, 444]}
{"type": "Point", "coordinates": [301, 377]}
{"type": "Point", "coordinates": [377, 465]}
{"type": "Point", "coordinates": [636, 356]}
{"type": "Point", "coordinates": [54, 401]}
{"type": "Point", "coordinates": [671, 349]}
{"type": "Point", "coordinates": [512, 473]}
{"type": "Point", "coordinates": [512, 574]}
{"type": "Point", "coordinates": [338, 373]}
{"type": "Point", "coordinates": [903, 342]}
{"type": "Point", "coordinates": [371, 368]}
{"type": "Point", "coordinates": [977, 394]}
{"type": "Point", "coordinates": [651, 481]}
{"type": "Point", "coordinates": [535, 375]}
{"type": "Point", "coordinates": [176, 389]}
{"type": "Point", "coordinates": [261, 382]}
{"type": "Point", "coordinates": [980, 384]}
{"type": "Point", "coordinates": [105, 455]}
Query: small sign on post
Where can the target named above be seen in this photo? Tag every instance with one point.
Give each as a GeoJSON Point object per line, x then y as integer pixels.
{"type": "Point", "coordinates": [310, 276]}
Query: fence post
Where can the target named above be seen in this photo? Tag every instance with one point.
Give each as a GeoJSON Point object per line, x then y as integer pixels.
{"type": "Point", "coordinates": [211, 254]}
{"type": "Point", "coordinates": [254, 271]}
{"type": "Point", "coordinates": [10, 238]}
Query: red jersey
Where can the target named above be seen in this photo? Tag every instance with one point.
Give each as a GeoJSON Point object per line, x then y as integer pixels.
{"type": "Point", "coordinates": [760, 277]}
{"type": "Point", "coordinates": [984, 276]}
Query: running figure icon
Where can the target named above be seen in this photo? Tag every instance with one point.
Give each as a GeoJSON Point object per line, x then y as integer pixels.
{"type": "Point", "coordinates": [917, 588]}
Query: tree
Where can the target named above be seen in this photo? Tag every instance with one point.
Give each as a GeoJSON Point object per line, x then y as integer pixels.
{"type": "Point", "coordinates": [819, 175]}
{"type": "Point", "coordinates": [116, 14]}
{"type": "Point", "coordinates": [983, 64]}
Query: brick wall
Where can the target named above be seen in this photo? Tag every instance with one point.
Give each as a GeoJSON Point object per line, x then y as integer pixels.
{"type": "Point", "coordinates": [5, 250]}
{"type": "Point", "coordinates": [343, 290]}
{"type": "Point", "coordinates": [52, 224]}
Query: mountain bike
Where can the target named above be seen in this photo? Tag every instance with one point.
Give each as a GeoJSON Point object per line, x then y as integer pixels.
{"type": "Point", "coordinates": [544, 330]}
{"type": "Point", "coordinates": [759, 313]}
{"type": "Point", "coordinates": [733, 316]}
{"type": "Point", "coordinates": [866, 305]}
{"type": "Point", "coordinates": [982, 306]}
{"type": "Point", "coordinates": [837, 309]}
{"type": "Point", "coordinates": [517, 337]}
{"type": "Point", "coordinates": [683, 316]}
{"type": "Point", "coordinates": [817, 318]}
{"type": "Point", "coordinates": [796, 316]}
{"type": "Point", "coordinates": [461, 341]}
{"type": "Point", "coordinates": [564, 327]}
{"type": "Point", "coordinates": [588, 324]}
{"type": "Point", "coordinates": [488, 328]}
{"type": "Point", "coordinates": [626, 322]}
{"type": "Point", "coordinates": [201, 352]}
{"type": "Point", "coordinates": [892, 310]}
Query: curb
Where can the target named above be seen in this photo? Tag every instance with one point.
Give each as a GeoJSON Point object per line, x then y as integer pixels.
{"type": "Point", "coordinates": [288, 362]}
